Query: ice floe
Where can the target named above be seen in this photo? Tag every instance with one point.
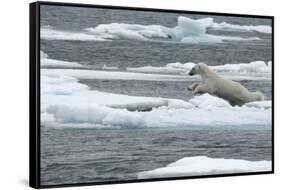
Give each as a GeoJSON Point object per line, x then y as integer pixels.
{"type": "Point", "coordinates": [203, 165]}
{"type": "Point", "coordinates": [113, 75]}
{"type": "Point", "coordinates": [242, 28]}
{"type": "Point", "coordinates": [258, 70]}
{"type": "Point", "coordinates": [48, 33]}
{"type": "Point", "coordinates": [66, 102]}
{"type": "Point", "coordinates": [186, 30]}
{"type": "Point", "coordinates": [48, 62]}
{"type": "Point", "coordinates": [254, 70]}
{"type": "Point", "coordinates": [105, 67]}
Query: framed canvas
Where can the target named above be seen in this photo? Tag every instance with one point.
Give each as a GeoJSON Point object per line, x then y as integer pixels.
{"type": "Point", "coordinates": [121, 94]}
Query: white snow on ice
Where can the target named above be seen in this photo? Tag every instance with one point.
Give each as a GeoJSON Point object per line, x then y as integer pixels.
{"type": "Point", "coordinates": [226, 26]}
{"type": "Point", "coordinates": [66, 101]}
{"type": "Point", "coordinates": [253, 69]}
{"type": "Point", "coordinates": [48, 33]}
{"type": "Point", "coordinates": [261, 104]}
{"type": "Point", "coordinates": [203, 165]}
{"type": "Point", "coordinates": [187, 30]}
{"type": "Point", "coordinates": [46, 61]}
{"type": "Point", "coordinates": [114, 75]}
{"type": "Point", "coordinates": [257, 70]}
{"type": "Point", "coordinates": [105, 67]}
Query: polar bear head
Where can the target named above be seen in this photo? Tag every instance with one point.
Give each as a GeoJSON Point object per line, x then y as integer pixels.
{"type": "Point", "coordinates": [199, 69]}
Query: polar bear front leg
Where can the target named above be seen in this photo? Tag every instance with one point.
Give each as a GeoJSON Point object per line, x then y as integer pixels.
{"type": "Point", "coordinates": [200, 89]}
{"type": "Point", "coordinates": [192, 87]}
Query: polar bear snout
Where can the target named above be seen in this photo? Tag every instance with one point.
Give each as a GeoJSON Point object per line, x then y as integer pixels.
{"type": "Point", "coordinates": [192, 72]}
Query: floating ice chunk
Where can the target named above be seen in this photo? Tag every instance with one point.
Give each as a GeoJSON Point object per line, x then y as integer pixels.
{"type": "Point", "coordinates": [179, 104]}
{"type": "Point", "coordinates": [52, 34]}
{"type": "Point", "coordinates": [58, 63]}
{"type": "Point", "coordinates": [151, 69]}
{"type": "Point", "coordinates": [203, 165]}
{"type": "Point", "coordinates": [62, 85]}
{"type": "Point", "coordinates": [113, 75]}
{"type": "Point", "coordinates": [61, 79]}
{"type": "Point", "coordinates": [172, 68]}
{"type": "Point", "coordinates": [243, 28]}
{"type": "Point", "coordinates": [47, 118]}
{"type": "Point", "coordinates": [68, 89]}
{"type": "Point", "coordinates": [109, 68]}
{"type": "Point", "coordinates": [160, 117]}
{"type": "Point", "coordinates": [43, 55]}
{"type": "Point", "coordinates": [195, 31]}
{"type": "Point", "coordinates": [123, 118]}
{"type": "Point", "coordinates": [202, 39]}
{"type": "Point", "coordinates": [46, 61]}
{"type": "Point", "coordinates": [74, 106]}
{"type": "Point", "coordinates": [255, 66]}
{"type": "Point", "coordinates": [206, 101]}
{"type": "Point", "coordinates": [260, 104]}
{"type": "Point", "coordinates": [187, 30]}
{"type": "Point", "coordinates": [128, 31]}
{"type": "Point", "coordinates": [66, 101]}
{"type": "Point", "coordinates": [145, 105]}
{"type": "Point", "coordinates": [189, 27]}
{"type": "Point", "coordinates": [247, 71]}
{"type": "Point", "coordinates": [235, 38]}
{"type": "Point", "coordinates": [186, 66]}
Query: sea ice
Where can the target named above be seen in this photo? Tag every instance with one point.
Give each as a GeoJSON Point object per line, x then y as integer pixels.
{"type": "Point", "coordinates": [66, 101]}
{"type": "Point", "coordinates": [203, 165]}
{"type": "Point", "coordinates": [46, 61]}
{"type": "Point", "coordinates": [242, 71]}
{"type": "Point", "coordinates": [186, 30]}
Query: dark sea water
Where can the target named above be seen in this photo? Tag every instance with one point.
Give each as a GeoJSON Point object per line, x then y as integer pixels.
{"type": "Point", "coordinates": [92, 155]}
{"type": "Point", "coordinates": [71, 155]}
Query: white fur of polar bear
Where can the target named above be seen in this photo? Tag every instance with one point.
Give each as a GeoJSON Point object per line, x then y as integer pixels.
{"type": "Point", "coordinates": [233, 92]}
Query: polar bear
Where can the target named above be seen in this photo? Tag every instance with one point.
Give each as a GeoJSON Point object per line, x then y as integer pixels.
{"type": "Point", "coordinates": [212, 83]}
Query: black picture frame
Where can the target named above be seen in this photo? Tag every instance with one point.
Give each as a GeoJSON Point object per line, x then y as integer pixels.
{"type": "Point", "coordinates": [34, 93]}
